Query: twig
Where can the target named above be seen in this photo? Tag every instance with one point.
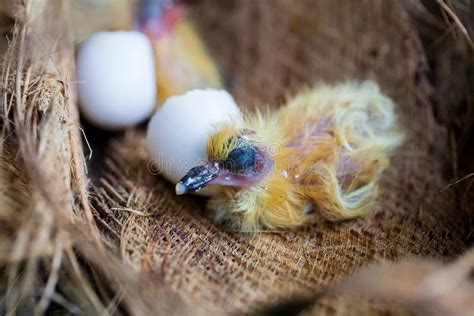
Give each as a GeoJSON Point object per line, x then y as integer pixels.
{"type": "Point", "coordinates": [456, 20]}
{"type": "Point", "coordinates": [89, 157]}
{"type": "Point", "coordinates": [52, 279]}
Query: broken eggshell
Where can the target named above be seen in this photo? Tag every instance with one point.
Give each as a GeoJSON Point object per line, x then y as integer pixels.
{"type": "Point", "coordinates": [178, 132]}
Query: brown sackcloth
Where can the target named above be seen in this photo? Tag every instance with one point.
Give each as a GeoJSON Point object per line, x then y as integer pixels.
{"type": "Point", "coordinates": [269, 49]}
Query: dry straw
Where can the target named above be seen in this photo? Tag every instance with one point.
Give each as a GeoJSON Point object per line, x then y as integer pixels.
{"type": "Point", "coordinates": [126, 244]}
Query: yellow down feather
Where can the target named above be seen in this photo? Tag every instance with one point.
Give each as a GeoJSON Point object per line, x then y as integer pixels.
{"type": "Point", "coordinates": [329, 146]}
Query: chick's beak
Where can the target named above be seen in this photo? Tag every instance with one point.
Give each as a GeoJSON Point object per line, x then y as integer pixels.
{"type": "Point", "coordinates": [196, 179]}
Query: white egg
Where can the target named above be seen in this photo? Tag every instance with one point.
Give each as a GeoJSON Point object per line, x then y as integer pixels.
{"type": "Point", "coordinates": [116, 79]}
{"type": "Point", "coordinates": [178, 132]}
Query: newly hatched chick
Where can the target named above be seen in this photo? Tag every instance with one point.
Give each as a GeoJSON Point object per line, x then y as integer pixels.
{"type": "Point", "coordinates": [326, 148]}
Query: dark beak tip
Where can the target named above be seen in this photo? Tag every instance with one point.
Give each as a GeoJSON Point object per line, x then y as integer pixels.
{"type": "Point", "coordinates": [196, 179]}
{"type": "Point", "coordinates": [180, 189]}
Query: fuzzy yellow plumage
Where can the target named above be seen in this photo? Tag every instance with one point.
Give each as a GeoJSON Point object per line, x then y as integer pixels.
{"type": "Point", "coordinates": [182, 62]}
{"type": "Point", "coordinates": [325, 149]}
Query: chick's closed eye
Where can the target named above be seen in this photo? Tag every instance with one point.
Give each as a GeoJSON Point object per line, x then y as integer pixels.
{"type": "Point", "coordinates": [240, 159]}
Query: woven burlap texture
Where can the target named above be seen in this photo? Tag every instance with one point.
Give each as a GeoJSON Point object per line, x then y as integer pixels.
{"type": "Point", "coordinates": [269, 50]}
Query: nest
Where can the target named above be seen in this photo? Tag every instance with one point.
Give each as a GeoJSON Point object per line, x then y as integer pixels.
{"type": "Point", "coordinates": [107, 236]}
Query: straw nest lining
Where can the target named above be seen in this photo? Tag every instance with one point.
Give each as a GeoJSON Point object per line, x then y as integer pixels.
{"type": "Point", "coordinates": [267, 50]}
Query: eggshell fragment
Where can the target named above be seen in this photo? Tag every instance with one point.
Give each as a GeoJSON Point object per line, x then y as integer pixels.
{"type": "Point", "coordinates": [178, 132]}
{"type": "Point", "coordinates": [116, 79]}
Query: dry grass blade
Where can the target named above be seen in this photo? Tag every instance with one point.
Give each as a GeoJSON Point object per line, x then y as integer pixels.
{"type": "Point", "coordinates": [457, 21]}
